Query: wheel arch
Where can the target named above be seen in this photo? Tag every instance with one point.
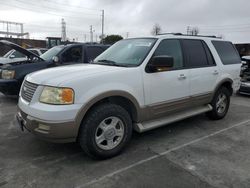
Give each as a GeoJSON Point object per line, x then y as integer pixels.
{"type": "Point", "coordinates": [122, 98]}
{"type": "Point", "coordinates": [227, 83]}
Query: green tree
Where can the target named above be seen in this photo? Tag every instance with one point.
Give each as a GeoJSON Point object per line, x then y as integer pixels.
{"type": "Point", "coordinates": [111, 39]}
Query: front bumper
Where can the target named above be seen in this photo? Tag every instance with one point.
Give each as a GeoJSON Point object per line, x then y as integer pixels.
{"type": "Point", "coordinates": [52, 131]}
{"type": "Point", "coordinates": [10, 87]}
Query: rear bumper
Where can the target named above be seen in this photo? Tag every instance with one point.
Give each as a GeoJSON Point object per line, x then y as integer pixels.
{"type": "Point", "coordinates": [52, 131]}
{"type": "Point", "coordinates": [10, 87]}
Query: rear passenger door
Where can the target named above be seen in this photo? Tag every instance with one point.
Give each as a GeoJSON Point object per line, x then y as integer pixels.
{"type": "Point", "coordinates": [202, 68]}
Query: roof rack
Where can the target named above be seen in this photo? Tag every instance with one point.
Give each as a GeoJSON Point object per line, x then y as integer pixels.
{"type": "Point", "coordinates": [180, 34]}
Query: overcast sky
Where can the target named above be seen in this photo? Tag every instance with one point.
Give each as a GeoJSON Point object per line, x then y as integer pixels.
{"type": "Point", "coordinates": [229, 18]}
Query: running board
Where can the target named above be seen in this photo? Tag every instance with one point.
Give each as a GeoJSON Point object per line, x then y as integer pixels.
{"type": "Point", "coordinates": [149, 125]}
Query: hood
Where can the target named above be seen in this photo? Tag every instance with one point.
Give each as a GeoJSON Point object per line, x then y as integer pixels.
{"type": "Point", "coordinates": [58, 75]}
{"type": "Point", "coordinates": [19, 49]}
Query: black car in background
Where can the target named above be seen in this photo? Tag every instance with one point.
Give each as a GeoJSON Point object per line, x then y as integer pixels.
{"type": "Point", "coordinates": [245, 76]}
{"type": "Point", "coordinates": [12, 74]}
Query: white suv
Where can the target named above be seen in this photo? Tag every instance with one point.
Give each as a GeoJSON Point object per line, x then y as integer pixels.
{"type": "Point", "coordinates": [140, 84]}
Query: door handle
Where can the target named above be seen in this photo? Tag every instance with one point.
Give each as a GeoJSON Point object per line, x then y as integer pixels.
{"type": "Point", "coordinates": [215, 72]}
{"type": "Point", "coordinates": [182, 77]}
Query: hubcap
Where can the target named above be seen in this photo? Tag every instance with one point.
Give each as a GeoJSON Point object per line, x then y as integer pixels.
{"type": "Point", "coordinates": [109, 133]}
{"type": "Point", "coordinates": [221, 104]}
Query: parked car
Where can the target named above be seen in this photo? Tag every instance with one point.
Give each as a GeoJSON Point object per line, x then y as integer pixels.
{"type": "Point", "coordinates": [12, 74]}
{"type": "Point", "coordinates": [140, 84]}
{"type": "Point", "coordinates": [245, 76]}
{"type": "Point", "coordinates": [15, 56]}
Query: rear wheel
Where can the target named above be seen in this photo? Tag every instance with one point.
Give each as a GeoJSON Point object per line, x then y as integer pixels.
{"type": "Point", "coordinates": [220, 104]}
{"type": "Point", "coordinates": [106, 131]}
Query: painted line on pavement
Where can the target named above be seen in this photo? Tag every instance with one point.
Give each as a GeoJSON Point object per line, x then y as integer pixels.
{"type": "Point", "coordinates": [161, 154]}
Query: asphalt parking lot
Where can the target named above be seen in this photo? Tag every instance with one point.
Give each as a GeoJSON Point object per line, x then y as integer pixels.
{"type": "Point", "coordinates": [196, 152]}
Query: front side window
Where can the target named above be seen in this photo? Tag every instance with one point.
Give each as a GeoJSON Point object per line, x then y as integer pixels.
{"type": "Point", "coordinates": [129, 52]}
{"type": "Point", "coordinates": [227, 52]}
{"type": "Point", "coordinates": [72, 55]}
{"type": "Point", "coordinates": [195, 54]}
{"type": "Point", "coordinates": [171, 47]}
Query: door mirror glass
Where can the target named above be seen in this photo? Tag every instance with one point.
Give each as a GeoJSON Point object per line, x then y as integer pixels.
{"type": "Point", "coordinates": [161, 63]}
{"type": "Point", "coordinates": [55, 59]}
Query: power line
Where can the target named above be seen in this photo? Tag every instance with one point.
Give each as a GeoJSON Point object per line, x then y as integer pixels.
{"type": "Point", "coordinates": [42, 12]}
{"type": "Point", "coordinates": [50, 8]}
{"type": "Point", "coordinates": [67, 5]}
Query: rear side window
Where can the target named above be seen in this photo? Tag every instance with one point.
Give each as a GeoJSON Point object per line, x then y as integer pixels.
{"type": "Point", "coordinates": [195, 54]}
{"type": "Point", "coordinates": [227, 52]}
{"type": "Point", "coordinates": [92, 52]}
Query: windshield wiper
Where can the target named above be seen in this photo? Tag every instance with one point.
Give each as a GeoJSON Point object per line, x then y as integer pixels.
{"type": "Point", "coordinates": [109, 62]}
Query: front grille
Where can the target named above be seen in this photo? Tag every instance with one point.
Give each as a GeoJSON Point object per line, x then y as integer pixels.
{"type": "Point", "coordinates": [28, 90]}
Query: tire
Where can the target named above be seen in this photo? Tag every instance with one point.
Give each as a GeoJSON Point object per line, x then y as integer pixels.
{"type": "Point", "coordinates": [220, 109]}
{"type": "Point", "coordinates": [110, 123]}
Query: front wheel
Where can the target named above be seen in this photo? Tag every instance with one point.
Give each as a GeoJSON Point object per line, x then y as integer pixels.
{"type": "Point", "coordinates": [106, 131]}
{"type": "Point", "coordinates": [220, 104]}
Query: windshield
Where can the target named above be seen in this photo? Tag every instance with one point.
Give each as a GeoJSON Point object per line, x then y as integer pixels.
{"type": "Point", "coordinates": [51, 53]}
{"type": "Point", "coordinates": [129, 52]}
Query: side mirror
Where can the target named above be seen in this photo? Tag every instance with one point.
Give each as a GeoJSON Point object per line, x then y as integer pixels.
{"type": "Point", "coordinates": [12, 56]}
{"type": "Point", "coordinates": [55, 59]}
{"type": "Point", "coordinates": [161, 63]}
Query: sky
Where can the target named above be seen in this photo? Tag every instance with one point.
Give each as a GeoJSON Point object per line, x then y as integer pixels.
{"type": "Point", "coordinates": [128, 18]}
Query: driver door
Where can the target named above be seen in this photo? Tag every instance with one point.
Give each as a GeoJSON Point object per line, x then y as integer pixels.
{"type": "Point", "coordinates": [168, 91]}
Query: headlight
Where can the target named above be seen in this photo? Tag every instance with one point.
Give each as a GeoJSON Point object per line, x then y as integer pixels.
{"type": "Point", "coordinates": [8, 74]}
{"type": "Point", "coordinates": [54, 95]}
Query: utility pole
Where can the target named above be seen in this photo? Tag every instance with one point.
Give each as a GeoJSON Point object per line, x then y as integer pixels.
{"type": "Point", "coordinates": [188, 30]}
{"type": "Point", "coordinates": [85, 37]}
{"type": "Point", "coordinates": [7, 29]}
{"type": "Point", "coordinates": [102, 25]}
{"type": "Point", "coordinates": [64, 38]}
{"type": "Point", "coordinates": [91, 33]}
{"type": "Point", "coordinates": [127, 34]}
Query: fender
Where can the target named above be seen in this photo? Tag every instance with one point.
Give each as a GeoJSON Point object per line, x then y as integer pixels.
{"type": "Point", "coordinates": [116, 93]}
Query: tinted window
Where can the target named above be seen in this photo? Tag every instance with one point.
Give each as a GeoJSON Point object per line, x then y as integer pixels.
{"type": "Point", "coordinates": [92, 52]}
{"type": "Point", "coordinates": [227, 52]}
{"type": "Point", "coordinates": [210, 57]}
{"type": "Point", "coordinates": [171, 48]}
{"type": "Point", "coordinates": [72, 55]}
{"type": "Point", "coordinates": [195, 53]}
